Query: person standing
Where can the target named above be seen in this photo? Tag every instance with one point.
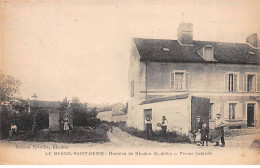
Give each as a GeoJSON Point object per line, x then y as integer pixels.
{"type": "Point", "coordinates": [164, 125]}
{"type": "Point", "coordinates": [197, 131]}
{"type": "Point", "coordinates": [219, 128]}
{"type": "Point", "coordinates": [198, 124]}
{"type": "Point", "coordinates": [66, 123]}
{"type": "Point", "coordinates": [148, 126]}
{"type": "Point", "coordinates": [13, 130]}
{"type": "Point", "coordinates": [204, 134]}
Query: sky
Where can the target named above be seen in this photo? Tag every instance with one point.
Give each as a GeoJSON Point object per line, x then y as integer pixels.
{"type": "Point", "coordinates": [81, 48]}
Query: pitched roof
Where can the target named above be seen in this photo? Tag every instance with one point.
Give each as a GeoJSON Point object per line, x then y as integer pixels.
{"type": "Point", "coordinates": [181, 96]}
{"type": "Point", "coordinates": [46, 104]}
{"type": "Point", "coordinates": [156, 50]}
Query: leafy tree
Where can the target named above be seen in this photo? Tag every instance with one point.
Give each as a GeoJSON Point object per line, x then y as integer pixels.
{"type": "Point", "coordinates": [65, 104]}
{"type": "Point", "coordinates": [81, 116]}
{"type": "Point", "coordinates": [9, 86]}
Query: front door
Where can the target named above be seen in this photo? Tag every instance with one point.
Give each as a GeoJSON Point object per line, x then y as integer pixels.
{"type": "Point", "coordinates": [147, 112]}
{"type": "Point", "coordinates": [250, 115]}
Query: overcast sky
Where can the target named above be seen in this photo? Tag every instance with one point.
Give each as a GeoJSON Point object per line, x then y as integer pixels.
{"type": "Point", "coordinates": [81, 48]}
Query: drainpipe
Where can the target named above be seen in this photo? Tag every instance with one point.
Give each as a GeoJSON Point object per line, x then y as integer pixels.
{"type": "Point", "coordinates": [146, 63]}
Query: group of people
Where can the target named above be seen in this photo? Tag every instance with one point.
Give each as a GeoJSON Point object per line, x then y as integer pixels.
{"type": "Point", "coordinates": [149, 129]}
{"type": "Point", "coordinates": [201, 131]}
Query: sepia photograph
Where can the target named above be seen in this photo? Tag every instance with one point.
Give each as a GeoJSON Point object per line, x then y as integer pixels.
{"type": "Point", "coordinates": [129, 82]}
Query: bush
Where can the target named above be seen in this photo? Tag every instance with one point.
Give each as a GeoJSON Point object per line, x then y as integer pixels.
{"type": "Point", "coordinates": [83, 117]}
{"type": "Point", "coordinates": [8, 116]}
{"type": "Point", "coordinates": [172, 137]}
{"type": "Point", "coordinates": [104, 126]}
{"type": "Point", "coordinates": [23, 120]}
{"type": "Point", "coordinates": [42, 118]}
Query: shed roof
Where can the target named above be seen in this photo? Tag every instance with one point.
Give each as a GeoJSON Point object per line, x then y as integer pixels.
{"type": "Point", "coordinates": [176, 97]}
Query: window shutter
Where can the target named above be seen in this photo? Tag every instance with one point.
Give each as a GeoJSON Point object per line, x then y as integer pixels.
{"type": "Point", "coordinates": [187, 80]}
{"type": "Point", "coordinates": [239, 111]}
{"type": "Point", "coordinates": [235, 82]}
{"type": "Point", "coordinates": [258, 82]}
{"type": "Point", "coordinates": [226, 111]}
{"type": "Point", "coordinates": [226, 82]}
{"type": "Point", "coordinates": [244, 83]}
{"type": "Point", "coordinates": [172, 80]}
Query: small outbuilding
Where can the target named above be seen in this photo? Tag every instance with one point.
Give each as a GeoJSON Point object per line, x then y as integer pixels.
{"type": "Point", "coordinates": [180, 111]}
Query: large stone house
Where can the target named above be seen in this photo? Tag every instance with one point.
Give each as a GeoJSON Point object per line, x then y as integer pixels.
{"type": "Point", "coordinates": [225, 73]}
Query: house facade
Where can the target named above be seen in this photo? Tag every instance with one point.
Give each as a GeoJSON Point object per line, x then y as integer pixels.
{"type": "Point", "coordinates": [226, 73]}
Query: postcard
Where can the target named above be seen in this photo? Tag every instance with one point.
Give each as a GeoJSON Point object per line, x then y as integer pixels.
{"type": "Point", "coordinates": [129, 82]}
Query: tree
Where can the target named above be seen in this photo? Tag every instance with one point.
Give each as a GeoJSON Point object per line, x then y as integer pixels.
{"type": "Point", "coordinates": [75, 100]}
{"type": "Point", "coordinates": [64, 105]}
{"type": "Point", "coordinates": [9, 86]}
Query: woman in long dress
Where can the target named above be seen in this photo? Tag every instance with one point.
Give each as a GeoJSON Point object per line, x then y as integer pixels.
{"type": "Point", "coordinates": [66, 123]}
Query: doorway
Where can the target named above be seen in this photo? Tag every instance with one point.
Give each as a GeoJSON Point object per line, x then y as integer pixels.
{"type": "Point", "coordinates": [147, 112]}
{"type": "Point", "coordinates": [250, 115]}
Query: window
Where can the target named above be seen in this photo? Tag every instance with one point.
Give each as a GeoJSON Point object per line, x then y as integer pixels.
{"type": "Point", "coordinates": [232, 110]}
{"type": "Point", "coordinates": [132, 88]}
{"type": "Point", "coordinates": [166, 49]}
{"type": "Point", "coordinates": [179, 80]}
{"type": "Point", "coordinates": [251, 87]}
{"type": "Point", "coordinates": [251, 82]}
{"type": "Point", "coordinates": [211, 108]}
{"type": "Point", "coordinates": [208, 53]}
{"type": "Point", "coordinates": [231, 82]}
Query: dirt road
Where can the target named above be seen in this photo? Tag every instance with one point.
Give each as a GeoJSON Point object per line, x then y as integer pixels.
{"type": "Point", "coordinates": [126, 149]}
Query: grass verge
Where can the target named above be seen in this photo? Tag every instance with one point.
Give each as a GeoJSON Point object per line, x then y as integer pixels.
{"type": "Point", "coordinates": [77, 135]}
{"type": "Point", "coordinates": [172, 136]}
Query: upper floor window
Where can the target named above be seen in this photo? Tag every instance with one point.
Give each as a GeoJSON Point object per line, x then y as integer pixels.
{"type": "Point", "coordinates": [208, 53]}
{"type": "Point", "coordinates": [132, 88]}
{"type": "Point", "coordinates": [251, 82]}
{"type": "Point", "coordinates": [179, 80]}
{"type": "Point", "coordinates": [231, 82]}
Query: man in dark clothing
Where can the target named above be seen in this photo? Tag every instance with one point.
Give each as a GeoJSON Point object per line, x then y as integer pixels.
{"type": "Point", "coordinates": [198, 124]}
{"type": "Point", "coordinates": [148, 126]}
{"type": "Point", "coordinates": [164, 125]}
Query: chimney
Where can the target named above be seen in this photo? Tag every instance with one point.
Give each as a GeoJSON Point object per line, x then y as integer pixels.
{"type": "Point", "coordinates": [253, 40]}
{"type": "Point", "coordinates": [185, 33]}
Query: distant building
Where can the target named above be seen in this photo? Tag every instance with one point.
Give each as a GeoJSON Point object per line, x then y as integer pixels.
{"type": "Point", "coordinates": [226, 73]}
{"type": "Point", "coordinates": [113, 113]}
{"type": "Point", "coordinates": [105, 115]}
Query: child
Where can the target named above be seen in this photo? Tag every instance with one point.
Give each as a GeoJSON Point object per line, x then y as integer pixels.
{"type": "Point", "coordinates": [204, 134]}
{"type": "Point", "coordinates": [198, 137]}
